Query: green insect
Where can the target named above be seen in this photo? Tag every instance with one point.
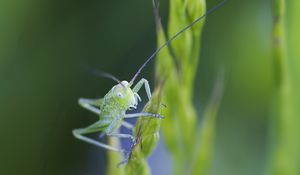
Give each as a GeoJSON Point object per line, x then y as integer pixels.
{"type": "Point", "coordinates": [112, 108]}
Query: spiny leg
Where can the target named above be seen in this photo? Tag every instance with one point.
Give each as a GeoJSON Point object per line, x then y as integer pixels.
{"type": "Point", "coordinates": [143, 114]}
{"type": "Point", "coordinates": [90, 104]}
{"type": "Point", "coordinates": [78, 134]}
{"type": "Point", "coordinates": [139, 84]}
{"type": "Point", "coordinates": [96, 127]}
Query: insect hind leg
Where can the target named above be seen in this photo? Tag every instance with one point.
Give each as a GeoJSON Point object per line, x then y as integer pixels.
{"type": "Point", "coordinates": [96, 127]}
{"type": "Point", "coordinates": [90, 104]}
{"type": "Point", "coordinates": [78, 133]}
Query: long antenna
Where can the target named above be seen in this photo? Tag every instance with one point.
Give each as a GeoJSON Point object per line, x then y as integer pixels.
{"type": "Point", "coordinates": [106, 75]}
{"type": "Point", "coordinates": [175, 36]}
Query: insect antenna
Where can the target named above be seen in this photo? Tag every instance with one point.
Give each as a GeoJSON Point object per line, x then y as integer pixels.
{"type": "Point", "coordinates": [175, 36]}
{"type": "Point", "coordinates": [107, 75]}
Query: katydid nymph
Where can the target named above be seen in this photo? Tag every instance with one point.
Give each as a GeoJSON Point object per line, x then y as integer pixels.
{"type": "Point", "coordinates": [122, 97]}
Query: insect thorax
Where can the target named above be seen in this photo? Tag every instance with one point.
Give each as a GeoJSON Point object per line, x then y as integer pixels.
{"type": "Point", "coordinates": [110, 108]}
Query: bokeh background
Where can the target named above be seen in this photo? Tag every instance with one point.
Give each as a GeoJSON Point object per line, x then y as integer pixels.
{"type": "Point", "coordinates": [47, 46]}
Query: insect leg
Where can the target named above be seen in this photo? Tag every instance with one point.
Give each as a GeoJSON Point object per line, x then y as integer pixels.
{"type": "Point", "coordinates": [127, 125]}
{"type": "Point", "coordinates": [139, 84]}
{"type": "Point", "coordinates": [143, 114]}
{"type": "Point", "coordinates": [90, 104]}
{"type": "Point", "coordinates": [119, 135]}
{"type": "Point", "coordinates": [78, 133]}
{"type": "Point", "coordinates": [110, 131]}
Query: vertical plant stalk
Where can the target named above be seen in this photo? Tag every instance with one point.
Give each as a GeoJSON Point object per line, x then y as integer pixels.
{"type": "Point", "coordinates": [203, 158]}
{"type": "Point", "coordinates": [283, 125]}
{"type": "Point", "coordinates": [114, 158]}
{"type": "Point", "coordinates": [293, 40]}
{"type": "Point", "coordinates": [178, 67]}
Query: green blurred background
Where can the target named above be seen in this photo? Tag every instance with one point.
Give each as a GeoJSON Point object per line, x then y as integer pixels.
{"type": "Point", "coordinates": [45, 47]}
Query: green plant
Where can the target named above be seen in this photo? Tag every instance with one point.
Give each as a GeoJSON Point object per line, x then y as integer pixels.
{"type": "Point", "coordinates": [175, 71]}
{"type": "Point", "coordinates": [285, 154]}
{"type": "Point", "coordinates": [189, 144]}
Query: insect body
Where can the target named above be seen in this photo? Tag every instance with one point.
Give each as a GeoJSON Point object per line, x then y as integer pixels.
{"type": "Point", "coordinates": [112, 110]}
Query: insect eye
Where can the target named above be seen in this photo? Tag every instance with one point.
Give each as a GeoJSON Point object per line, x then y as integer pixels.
{"type": "Point", "coordinates": [119, 94]}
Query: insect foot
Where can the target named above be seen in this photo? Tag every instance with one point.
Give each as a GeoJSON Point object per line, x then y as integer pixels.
{"type": "Point", "coordinates": [128, 154]}
{"type": "Point", "coordinates": [133, 142]}
{"type": "Point", "coordinates": [126, 159]}
{"type": "Point", "coordinates": [158, 116]}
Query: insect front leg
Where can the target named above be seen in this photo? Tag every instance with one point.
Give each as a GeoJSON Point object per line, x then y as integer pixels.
{"type": "Point", "coordinates": [90, 104]}
{"type": "Point", "coordinates": [96, 127]}
{"type": "Point", "coordinates": [139, 84]}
